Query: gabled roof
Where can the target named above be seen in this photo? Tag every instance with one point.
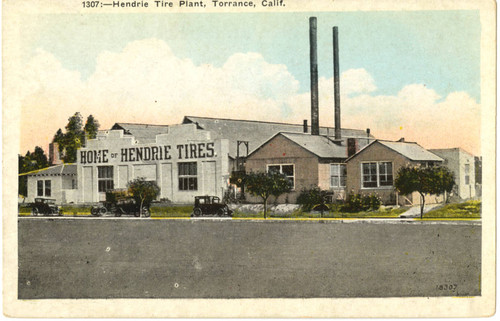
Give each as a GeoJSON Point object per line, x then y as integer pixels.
{"type": "Point", "coordinates": [58, 170]}
{"type": "Point", "coordinates": [320, 146]}
{"type": "Point", "coordinates": [410, 150]}
{"type": "Point", "coordinates": [143, 133]}
{"type": "Point", "coordinates": [257, 132]}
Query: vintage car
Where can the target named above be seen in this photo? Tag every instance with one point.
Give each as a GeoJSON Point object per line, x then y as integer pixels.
{"type": "Point", "coordinates": [210, 205]}
{"type": "Point", "coordinates": [45, 206]}
{"type": "Point", "coordinates": [120, 203]}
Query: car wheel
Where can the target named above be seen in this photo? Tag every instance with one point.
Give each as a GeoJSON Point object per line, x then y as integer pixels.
{"type": "Point", "coordinates": [94, 211]}
{"type": "Point", "coordinates": [145, 212]}
{"type": "Point", "coordinates": [197, 212]}
{"type": "Point", "coordinates": [220, 212]}
{"type": "Point", "coordinates": [118, 214]}
{"type": "Point", "coordinates": [34, 211]}
{"type": "Point", "coordinates": [102, 210]}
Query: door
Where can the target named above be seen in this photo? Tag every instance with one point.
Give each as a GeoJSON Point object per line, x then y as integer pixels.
{"type": "Point", "coordinates": [166, 181]}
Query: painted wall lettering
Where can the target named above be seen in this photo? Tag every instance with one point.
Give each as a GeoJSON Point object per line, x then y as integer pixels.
{"type": "Point", "coordinates": [94, 156]}
{"type": "Point", "coordinates": [148, 153]}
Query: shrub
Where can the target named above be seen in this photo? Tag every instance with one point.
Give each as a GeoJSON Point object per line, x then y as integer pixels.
{"type": "Point", "coordinates": [308, 198]}
{"type": "Point", "coordinates": [358, 203]}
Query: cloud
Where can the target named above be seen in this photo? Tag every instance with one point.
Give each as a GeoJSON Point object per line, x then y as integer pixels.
{"type": "Point", "coordinates": [356, 81]}
{"type": "Point", "coordinates": [146, 82]}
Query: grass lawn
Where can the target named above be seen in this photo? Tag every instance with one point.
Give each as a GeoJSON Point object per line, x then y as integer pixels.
{"type": "Point", "coordinates": [469, 209]}
{"type": "Point", "coordinates": [171, 211]}
{"type": "Point", "coordinates": [382, 213]}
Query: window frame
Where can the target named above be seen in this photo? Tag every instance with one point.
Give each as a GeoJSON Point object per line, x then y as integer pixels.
{"type": "Point", "coordinates": [377, 175]}
{"type": "Point", "coordinates": [339, 175]}
{"type": "Point", "coordinates": [40, 188]}
{"type": "Point", "coordinates": [187, 178]}
{"type": "Point", "coordinates": [108, 181]}
{"type": "Point", "coordinates": [281, 171]}
{"type": "Point", "coordinates": [47, 187]}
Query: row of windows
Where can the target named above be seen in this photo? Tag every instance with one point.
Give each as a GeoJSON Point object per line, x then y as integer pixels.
{"type": "Point", "coordinates": [188, 179]}
{"type": "Point", "coordinates": [374, 174]}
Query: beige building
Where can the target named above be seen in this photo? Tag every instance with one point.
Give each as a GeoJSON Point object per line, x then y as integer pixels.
{"type": "Point", "coordinates": [462, 164]}
{"type": "Point", "coordinates": [374, 168]}
{"type": "Point", "coordinates": [56, 182]}
{"type": "Point", "coordinates": [307, 160]}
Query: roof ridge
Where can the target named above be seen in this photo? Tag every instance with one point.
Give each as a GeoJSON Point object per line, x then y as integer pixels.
{"type": "Point", "coordinates": [142, 124]}
{"type": "Point", "coordinates": [266, 122]}
{"type": "Point", "coordinates": [392, 141]}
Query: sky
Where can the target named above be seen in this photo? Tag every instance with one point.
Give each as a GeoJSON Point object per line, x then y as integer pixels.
{"type": "Point", "coordinates": [403, 74]}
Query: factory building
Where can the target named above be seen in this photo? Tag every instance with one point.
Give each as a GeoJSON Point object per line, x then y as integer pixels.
{"type": "Point", "coordinates": [183, 160]}
{"type": "Point", "coordinates": [56, 182]}
{"type": "Point", "coordinates": [462, 164]}
{"type": "Point", "coordinates": [198, 156]}
{"type": "Point", "coordinates": [308, 160]}
{"type": "Point", "coordinates": [374, 168]}
{"type": "Point", "coordinates": [193, 158]}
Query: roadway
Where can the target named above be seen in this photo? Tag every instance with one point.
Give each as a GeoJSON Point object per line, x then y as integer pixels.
{"type": "Point", "coordinates": [229, 258]}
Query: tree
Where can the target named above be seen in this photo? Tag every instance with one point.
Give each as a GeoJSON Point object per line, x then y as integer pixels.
{"type": "Point", "coordinates": [266, 184]}
{"type": "Point", "coordinates": [91, 127]}
{"type": "Point", "coordinates": [143, 191]}
{"type": "Point", "coordinates": [73, 138]}
{"type": "Point", "coordinates": [58, 137]}
{"type": "Point", "coordinates": [30, 162]}
{"type": "Point", "coordinates": [424, 180]}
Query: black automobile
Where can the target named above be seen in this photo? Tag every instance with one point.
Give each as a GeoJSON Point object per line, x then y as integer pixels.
{"type": "Point", "coordinates": [119, 203]}
{"type": "Point", "coordinates": [210, 205]}
{"type": "Point", "coordinates": [45, 206]}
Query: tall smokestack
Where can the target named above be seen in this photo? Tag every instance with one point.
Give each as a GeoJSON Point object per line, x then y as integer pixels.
{"type": "Point", "coordinates": [314, 76]}
{"type": "Point", "coordinates": [336, 83]}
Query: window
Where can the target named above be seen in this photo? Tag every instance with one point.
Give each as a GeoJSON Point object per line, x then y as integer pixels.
{"type": "Point", "coordinates": [48, 187]}
{"type": "Point", "coordinates": [285, 169]}
{"type": "Point", "coordinates": [44, 188]}
{"type": "Point", "coordinates": [188, 176]}
{"type": "Point", "coordinates": [39, 188]}
{"type": "Point", "coordinates": [338, 173]}
{"type": "Point", "coordinates": [385, 174]}
{"type": "Point", "coordinates": [369, 174]}
{"type": "Point", "coordinates": [467, 174]}
{"type": "Point", "coordinates": [377, 174]}
{"type": "Point", "coordinates": [73, 184]}
{"type": "Point", "coordinates": [105, 178]}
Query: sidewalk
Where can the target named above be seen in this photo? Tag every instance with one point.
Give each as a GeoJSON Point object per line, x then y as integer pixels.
{"type": "Point", "coordinates": [415, 210]}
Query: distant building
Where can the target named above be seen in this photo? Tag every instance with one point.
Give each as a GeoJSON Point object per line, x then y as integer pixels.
{"type": "Point", "coordinates": [374, 168]}
{"type": "Point", "coordinates": [463, 166]}
{"type": "Point", "coordinates": [57, 182]}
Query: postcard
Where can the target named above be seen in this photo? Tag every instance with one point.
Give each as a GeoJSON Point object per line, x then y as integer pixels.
{"type": "Point", "coordinates": [254, 158]}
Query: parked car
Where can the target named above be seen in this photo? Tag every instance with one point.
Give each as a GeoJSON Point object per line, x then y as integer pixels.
{"type": "Point", "coordinates": [119, 203]}
{"type": "Point", "coordinates": [210, 205]}
{"type": "Point", "coordinates": [45, 206]}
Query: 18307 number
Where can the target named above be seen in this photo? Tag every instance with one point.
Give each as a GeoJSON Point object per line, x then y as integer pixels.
{"type": "Point", "coordinates": [446, 287]}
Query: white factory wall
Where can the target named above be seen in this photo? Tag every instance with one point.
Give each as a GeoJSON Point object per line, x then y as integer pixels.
{"type": "Point", "coordinates": [160, 163]}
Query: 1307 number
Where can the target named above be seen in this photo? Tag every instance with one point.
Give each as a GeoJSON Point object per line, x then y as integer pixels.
{"type": "Point", "coordinates": [90, 4]}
